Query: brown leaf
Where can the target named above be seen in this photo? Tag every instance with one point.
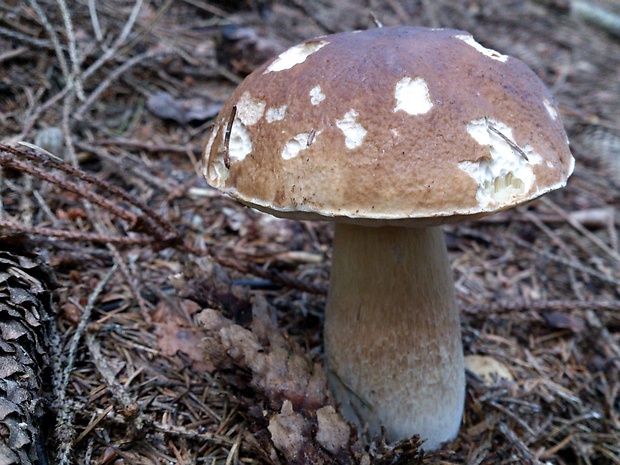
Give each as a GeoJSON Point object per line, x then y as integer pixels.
{"type": "Point", "coordinates": [175, 337]}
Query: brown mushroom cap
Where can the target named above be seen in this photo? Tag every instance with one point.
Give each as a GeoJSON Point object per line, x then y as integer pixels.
{"type": "Point", "coordinates": [402, 124]}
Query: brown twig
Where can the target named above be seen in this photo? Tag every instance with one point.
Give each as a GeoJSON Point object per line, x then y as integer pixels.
{"type": "Point", "coordinates": [153, 223]}
{"type": "Point", "coordinates": [229, 126]}
{"type": "Point", "coordinates": [10, 225]}
{"type": "Point", "coordinates": [136, 144]}
{"type": "Point", "coordinates": [69, 186]}
{"type": "Point", "coordinates": [110, 78]}
{"type": "Point", "coordinates": [161, 230]}
{"type": "Point", "coordinates": [139, 171]}
{"type": "Point", "coordinates": [9, 54]}
{"type": "Point", "coordinates": [514, 146]}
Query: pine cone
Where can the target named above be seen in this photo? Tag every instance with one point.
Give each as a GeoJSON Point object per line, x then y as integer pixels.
{"type": "Point", "coordinates": [24, 323]}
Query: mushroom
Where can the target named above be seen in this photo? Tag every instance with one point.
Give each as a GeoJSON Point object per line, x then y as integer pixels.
{"type": "Point", "coordinates": [390, 133]}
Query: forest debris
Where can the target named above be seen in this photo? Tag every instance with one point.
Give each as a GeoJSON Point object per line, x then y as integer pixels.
{"type": "Point", "coordinates": [600, 143]}
{"type": "Point", "coordinates": [51, 140]}
{"type": "Point", "coordinates": [597, 16]}
{"type": "Point", "coordinates": [265, 368]}
{"type": "Point", "coordinates": [490, 370]}
{"type": "Point", "coordinates": [174, 337]}
{"type": "Point", "coordinates": [333, 433]}
{"type": "Point", "coordinates": [290, 432]}
{"type": "Point", "coordinates": [562, 320]}
{"type": "Point", "coordinates": [594, 217]}
{"type": "Point", "coordinates": [247, 48]}
{"type": "Point", "coordinates": [197, 416]}
{"type": "Point", "coordinates": [182, 110]}
{"type": "Point", "coordinates": [279, 371]}
{"type": "Point", "coordinates": [209, 285]}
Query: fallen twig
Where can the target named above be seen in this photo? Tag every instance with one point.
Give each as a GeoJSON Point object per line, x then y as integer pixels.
{"type": "Point", "coordinates": [504, 306]}
{"type": "Point", "coordinates": [129, 406]}
{"type": "Point", "coordinates": [152, 223]}
{"type": "Point", "coordinates": [566, 262]}
{"type": "Point", "coordinates": [73, 53]}
{"type": "Point", "coordinates": [136, 144]}
{"type": "Point", "coordinates": [110, 78]}
{"type": "Point", "coordinates": [65, 431]}
{"type": "Point", "coordinates": [10, 225]}
{"type": "Point", "coordinates": [62, 61]}
{"type": "Point", "coordinates": [597, 16]}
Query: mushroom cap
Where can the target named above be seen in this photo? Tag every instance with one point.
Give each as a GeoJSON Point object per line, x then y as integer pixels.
{"type": "Point", "coordinates": [406, 125]}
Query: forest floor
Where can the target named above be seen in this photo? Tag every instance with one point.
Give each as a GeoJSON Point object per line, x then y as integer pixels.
{"type": "Point", "coordinates": [124, 92]}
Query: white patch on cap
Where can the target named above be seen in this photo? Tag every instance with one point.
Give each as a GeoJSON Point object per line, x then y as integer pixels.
{"type": "Point", "coordinates": [506, 175]}
{"type": "Point", "coordinates": [571, 166]}
{"type": "Point", "coordinates": [210, 141]}
{"type": "Point", "coordinates": [534, 158]}
{"type": "Point", "coordinates": [297, 144]}
{"type": "Point", "coordinates": [469, 40]}
{"type": "Point", "coordinates": [240, 145]}
{"type": "Point", "coordinates": [550, 109]}
{"type": "Point", "coordinates": [275, 114]}
{"type": "Point", "coordinates": [353, 131]}
{"type": "Point", "coordinates": [214, 168]}
{"type": "Point", "coordinates": [249, 109]}
{"type": "Point", "coordinates": [295, 55]}
{"type": "Point", "coordinates": [412, 96]}
{"type": "Point", "coordinates": [316, 96]}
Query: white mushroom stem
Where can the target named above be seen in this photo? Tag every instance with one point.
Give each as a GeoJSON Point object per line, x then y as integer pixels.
{"type": "Point", "coordinates": [392, 332]}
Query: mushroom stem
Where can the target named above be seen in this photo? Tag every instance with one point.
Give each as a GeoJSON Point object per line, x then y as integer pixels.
{"type": "Point", "coordinates": [392, 333]}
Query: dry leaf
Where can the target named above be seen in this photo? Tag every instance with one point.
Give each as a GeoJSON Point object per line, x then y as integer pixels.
{"type": "Point", "coordinates": [563, 320]}
{"type": "Point", "coordinates": [175, 337]}
{"type": "Point", "coordinates": [488, 369]}
{"type": "Point", "coordinates": [182, 110]}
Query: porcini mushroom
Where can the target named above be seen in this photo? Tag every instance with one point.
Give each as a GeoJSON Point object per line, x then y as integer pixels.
{"type": "Point", "coordinates": [390, 133]}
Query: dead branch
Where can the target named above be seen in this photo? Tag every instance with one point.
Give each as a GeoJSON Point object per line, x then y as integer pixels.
{"type": "Point", "coordinates": [53, 233]}
{"type": "Point", "coordinates": [152, 222]}
{"type": "Point", "coordinates": [596, 16]}
{"type": "Point", "coordinates": [73, 54]}
{"type": "Point", "coordinates": [161, 231]}
{"type": "Point", "coordinates": [60, 56]}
